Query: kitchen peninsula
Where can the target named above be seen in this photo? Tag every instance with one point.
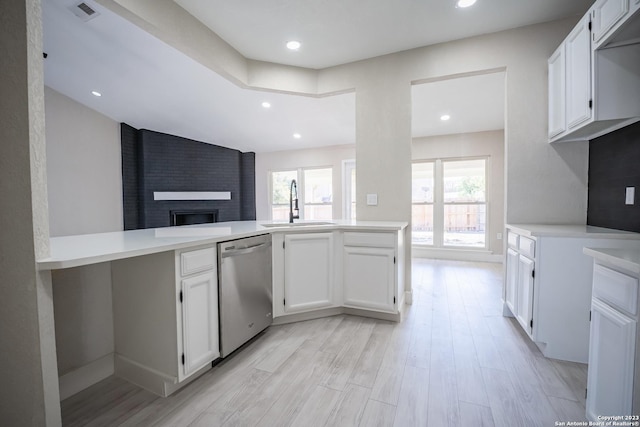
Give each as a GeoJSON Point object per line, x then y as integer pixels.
{"type": "Point", "coordinates": [165, 285]}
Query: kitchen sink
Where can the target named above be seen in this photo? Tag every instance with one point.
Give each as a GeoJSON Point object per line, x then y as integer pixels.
{"type": "Point", "coordinates": [296, 224]}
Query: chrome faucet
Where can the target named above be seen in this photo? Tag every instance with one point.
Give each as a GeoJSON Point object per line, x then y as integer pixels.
{"type": "Point", "coordinates": [293, 203]}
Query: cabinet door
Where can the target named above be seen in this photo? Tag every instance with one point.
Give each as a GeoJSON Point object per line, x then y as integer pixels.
{"type": "Point", "coordinates": [511, 285]}
{"type": "Point", "coordinates": [578, 75]}
{"type": "Point", "coordinates": [611, 358]}
{"type": "Point", "coordinates": [369, 278]}
{"type": "Point", "coordinates": [524, 293]}
{"type": "Point", "coordinates": [200, 341]}
{"type": "Point", "coordinates": [606, 14]}
{"type": "Point", "coordinates": [308, 271]}
{"type": "Point", "coordinates": [557, 93]}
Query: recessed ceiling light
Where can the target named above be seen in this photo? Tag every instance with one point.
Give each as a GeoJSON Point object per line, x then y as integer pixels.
{"type": "Point", "coordinates": [445, 117]}
{"type": "Point", "coordinates": [297, 136]}
{"type": "Point", "coordinates": [95, 93]}
{"type": "Point", "coordinates": [293, 45]}
{"type": "Point", "coordinates": [465, 3]}
{"type": "Point", "coordinates": [265, 104]}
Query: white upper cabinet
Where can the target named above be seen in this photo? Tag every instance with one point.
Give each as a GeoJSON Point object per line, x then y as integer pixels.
{"type": "Point", "coordinates": [594, 75]}
{"type": "Point", "coordinates": [557, 92]}
{"type": "Point", "coordinates": [606, 14]}
{"type": "Point", "coordinates": [578, 74]}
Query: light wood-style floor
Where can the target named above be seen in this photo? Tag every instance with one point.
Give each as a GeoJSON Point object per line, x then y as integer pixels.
{"type": "Point", "coordinates": [455, 360]}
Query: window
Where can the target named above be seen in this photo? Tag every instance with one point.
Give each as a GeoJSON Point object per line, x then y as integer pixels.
{"type": "Point", "coordinates": [449, 203]}
{"type": "Point", "coordinates": [315, 193]}
{"type": "Point", "coordinates": [349, 189]}
{"type": "Point", "coordinates": [422, 198]}
{"type": "Point", "coordinates": [280, 185]}
{"type": "Point", "coordinates": [465, 206]}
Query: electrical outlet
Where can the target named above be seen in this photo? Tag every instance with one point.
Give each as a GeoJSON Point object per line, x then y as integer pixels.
{"type": "Point", "coordinates": [499, 236]}
{"type": "Point", "coordinates": [630, 196]}
{"type": "Point", "coordinates": [372, 199]}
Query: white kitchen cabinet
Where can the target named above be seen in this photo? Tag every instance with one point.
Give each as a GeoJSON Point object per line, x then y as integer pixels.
{"type": "Point", "coordinates": [553, 286]}
{"type": "Point", "coordinates": [600, 85]}
{"type": "Point", "coordinates": [308, 272]}
{"type": "Point", "coordinates": [613, 378]}
{"type": "Point", "coordinates": [557, 92]}
{"type": "Point", "coordinates": [511, 280]}
{"type": "Point", "coordinates": [199, 321]}
{"type": "Point", "coordinates": [611, 362]}
{"type": "Point", "coordinates": [524, 293]}
{"type": "Point", "coordinates": [165, 317]}
{"type": "Point", "coordinates": [578, 74]}
{"type": "Point", "coordinates": [605, 15]}
{"type": "Point", "coordinates": [369, 278]}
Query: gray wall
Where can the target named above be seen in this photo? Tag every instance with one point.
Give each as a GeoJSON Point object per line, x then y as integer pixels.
{"type": "Point", "coordinates": [84, 172]}
{"type": "Point", "coordinates": [29, 392]}
{"type": "Point", "coordinates": [85, 196]}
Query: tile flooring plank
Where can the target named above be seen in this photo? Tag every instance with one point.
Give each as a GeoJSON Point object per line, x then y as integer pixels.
{"type": "Point", "coordinates": [443, 392]}
{"type": "Point", "coordinates": [217, 406]}
{"type": "Point", "coordinates": [552, 383]}
{"type": "Point", "coordinates": [575, 375]}
{"type": "Point", "coordinates": [387, 385]}
{"type": "Point", "coordinates": [342, 336]}
{"type": "Point", "coordinates": [568, 410]}
{"type": "Point", "coordinates": [505, 407]}
{"type": "Point", "coordinates": [345, 361]}
{"type": "Point", "coordinates": [378, 414]}
{"type": "Point", "coordinates": [414, 398]}
{"type": "Point", "coordinates": [469, 381]}
{"type": "Point", "coordinates": [317, 408]}
{"type": "Point", "coordinates": [291, 399]}
{"type": "Point", "coordinates": [475, 415]}
{"type": "Point", "coordinates": [350, 407]}
{"type": "Point", "coordinates": [367, 366]}
{"type": "Point", "coordinates": [488, 354]}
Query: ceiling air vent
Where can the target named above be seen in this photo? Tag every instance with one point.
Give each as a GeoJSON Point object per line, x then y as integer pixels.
{"type": "Point", "coordinates": [83, 11]}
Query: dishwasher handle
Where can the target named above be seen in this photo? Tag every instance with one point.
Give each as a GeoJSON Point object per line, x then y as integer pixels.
{"type": "Point", "coordinates": [231, 251]}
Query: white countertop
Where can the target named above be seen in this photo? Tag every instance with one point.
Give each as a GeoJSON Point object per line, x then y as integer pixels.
{"type": "Point", "coordinates": [570, 230]}
{"type": "Point", "coordinates": [84, 249]}
{"type": "Point", "coordinates": [628, 259]}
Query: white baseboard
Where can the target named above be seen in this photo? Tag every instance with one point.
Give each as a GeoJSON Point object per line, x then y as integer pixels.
{"type": "Point", "coordinates": [408, 297]}
{"type": "Point", "coordinates": [86, 376]}
{"type": "Point", "coordinates": [455, 254]}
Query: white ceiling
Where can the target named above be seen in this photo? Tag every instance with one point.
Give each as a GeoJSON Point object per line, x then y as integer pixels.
{"type": "Point", "coordinates": [151, 85]}
{"type": "Point", "coordinates": [335, 32]}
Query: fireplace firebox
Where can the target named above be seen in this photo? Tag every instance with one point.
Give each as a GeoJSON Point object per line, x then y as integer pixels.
{"type": "Point", "coordinates": [195, 216]}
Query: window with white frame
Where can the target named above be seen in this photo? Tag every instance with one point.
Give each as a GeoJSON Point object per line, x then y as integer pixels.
{"type": "Point", "coordinates": [349, 189]}
{"type": "Point", "coordinates": [449, 203]}
{"type": "Point", "coordinates": [315, 193]}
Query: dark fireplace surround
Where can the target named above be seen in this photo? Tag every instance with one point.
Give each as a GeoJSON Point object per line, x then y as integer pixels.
{"type": "Point", "coordinates": [157, 162]}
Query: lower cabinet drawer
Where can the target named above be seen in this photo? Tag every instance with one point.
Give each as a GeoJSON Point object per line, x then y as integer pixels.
{"type": "Point", "coordinates": [615, 288]}
{"type": "Point", "coordinates": [196, 261]}
{"type": "Point", "coordinates": [378, 240]}
{"type": "Point", "coordinates": [527, 247]}
{"type": "Point", "coordinates": [512, 240]}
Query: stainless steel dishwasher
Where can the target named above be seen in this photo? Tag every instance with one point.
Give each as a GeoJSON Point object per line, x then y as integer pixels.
{"type": "Point", "coordinates": [246, 291]}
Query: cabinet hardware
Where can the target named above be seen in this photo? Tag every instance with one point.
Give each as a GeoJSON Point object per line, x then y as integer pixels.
{"type": "Point", "coordinates": [282, 245]}
{"type": "Point", "coordinates": [589, 315]}
{"type": "Point", "coordinates": [394, 300]}
{"type": "Point", "coordinates": [394, 260]}
{"type": "Point", "coordinates": [183, 358]}
{"type": "Point", "coordinates": [585, 392]}
{"type": "Point", "coordinates": [589, 25]}
{"type": "Point", "coordinates": [284, 302]}
{"type": "Point", "coordinates": [531, 323]}
{"type": "Point", "coordinates": [533, 274]}
{"type": "Point", "coordinates": [181, 296]}
{"type": "Point", "coordinates": [591, 104]}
